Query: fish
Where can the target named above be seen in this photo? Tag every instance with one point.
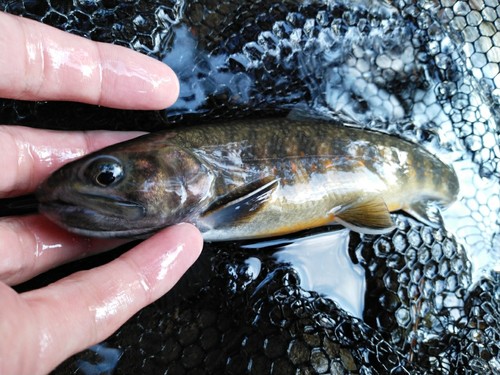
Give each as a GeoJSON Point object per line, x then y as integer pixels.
{"type": "Point", "coordinates": [247, 179]}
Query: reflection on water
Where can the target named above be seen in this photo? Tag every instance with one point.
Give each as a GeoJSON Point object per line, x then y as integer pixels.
{"type": "Point", "coordinates": [323, 264]}
{"type": "Point", "coordinates": [375, 69]}
{"type": "Point", "coordinates": [426, 71]}
{"type": "Point", "coordinates": [107, 359]}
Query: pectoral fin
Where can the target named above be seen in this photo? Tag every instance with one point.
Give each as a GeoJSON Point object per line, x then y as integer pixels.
{"type": "Point", "coordinates": [365, 215]}
{"type": "Point", "coordinates": [242, 206]}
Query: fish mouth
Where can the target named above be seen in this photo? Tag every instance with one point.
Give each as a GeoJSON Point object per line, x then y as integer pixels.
{"type": "Point", "coordinates": [96, 216]}
{"type": "Point", "coordinates": [96, 204]}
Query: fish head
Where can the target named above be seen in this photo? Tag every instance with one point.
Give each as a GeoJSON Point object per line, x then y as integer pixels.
{"type": "Point", "coordinates": [126, 194]}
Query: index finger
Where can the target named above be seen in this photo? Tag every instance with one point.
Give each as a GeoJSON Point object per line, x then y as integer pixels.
{"type": "Point", "coordinates": [30, 155]}
{"type": "Point", "coordinates": [39, 62]}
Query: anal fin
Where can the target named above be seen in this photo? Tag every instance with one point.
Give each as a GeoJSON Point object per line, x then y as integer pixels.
{"type": "Point", "coordinates": [365, 215]}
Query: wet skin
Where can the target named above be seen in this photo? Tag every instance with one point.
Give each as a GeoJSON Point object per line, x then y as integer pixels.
{"type": "Point", "coordinates": [247, 179]}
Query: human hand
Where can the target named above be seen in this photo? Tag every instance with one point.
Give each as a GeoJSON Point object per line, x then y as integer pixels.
{"type": "Point", "coordinates": [41, 328]}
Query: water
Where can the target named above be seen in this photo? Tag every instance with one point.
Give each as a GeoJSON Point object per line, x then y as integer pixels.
{"type": "Point", "coordinates": [378, 75]}
{"type": "Point", "coordinates": [323, 264]}
{"type": "Point", "coordinates": [426, 71]}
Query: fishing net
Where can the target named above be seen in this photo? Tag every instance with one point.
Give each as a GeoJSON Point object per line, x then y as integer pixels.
{"type": "Point", "coordinates": [427, 71]}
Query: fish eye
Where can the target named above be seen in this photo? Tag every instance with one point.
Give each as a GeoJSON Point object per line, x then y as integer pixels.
{"type": "Point", "coordinates": [104, 171]}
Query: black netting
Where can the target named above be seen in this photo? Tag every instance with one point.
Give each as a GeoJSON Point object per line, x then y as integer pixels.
{"type": "Point", "coordinates": [425, 70]}
{"type": "Point", "coordinates": [422, 315]}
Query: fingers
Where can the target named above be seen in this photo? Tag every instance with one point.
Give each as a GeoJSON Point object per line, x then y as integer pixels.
{"type": "Point", "coordinates": [30, 155]}
{"type": "Point", "coordinates": [32, 244]}
{"type": "Point", "coordinates": [85, 308]}
{"type": "Point", "coordinates": [40, 62]}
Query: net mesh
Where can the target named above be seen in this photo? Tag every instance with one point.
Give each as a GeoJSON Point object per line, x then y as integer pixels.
{"type": "Point", "coordinates": [425, 70]}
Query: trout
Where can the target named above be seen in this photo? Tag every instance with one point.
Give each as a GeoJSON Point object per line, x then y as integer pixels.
{"type": "Point", "coordinates": [247, 179]}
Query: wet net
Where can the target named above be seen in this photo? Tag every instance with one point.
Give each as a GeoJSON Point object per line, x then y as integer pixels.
{"type": "Point", "coordinates": [427, 71]}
